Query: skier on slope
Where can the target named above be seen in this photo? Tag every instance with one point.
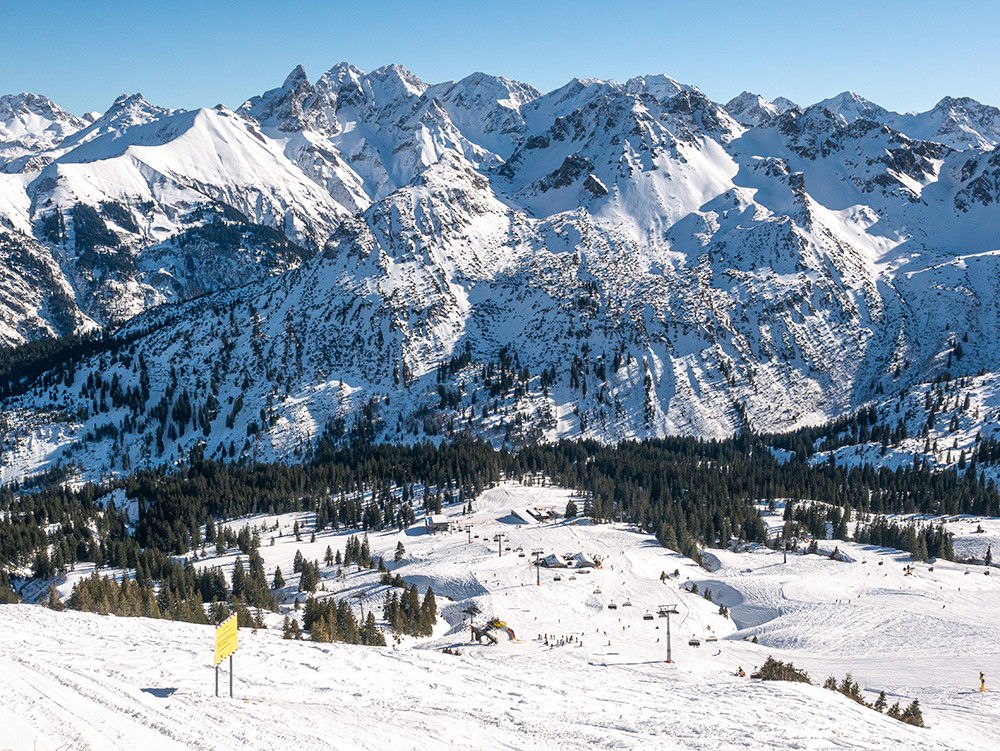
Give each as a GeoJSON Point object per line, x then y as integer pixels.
{"type": "Point", "coordinates": [982, 681]}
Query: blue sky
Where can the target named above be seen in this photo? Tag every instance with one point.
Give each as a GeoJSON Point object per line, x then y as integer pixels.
{"type": "Point", "coordinates": [902, 55]}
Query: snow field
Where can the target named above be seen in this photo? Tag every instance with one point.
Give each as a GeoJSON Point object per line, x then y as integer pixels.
{"type": "Point", "coordinates": [115, 683]}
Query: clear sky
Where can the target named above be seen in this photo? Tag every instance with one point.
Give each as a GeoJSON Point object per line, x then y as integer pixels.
{"type": "Point", "coordinates": [198, 53]}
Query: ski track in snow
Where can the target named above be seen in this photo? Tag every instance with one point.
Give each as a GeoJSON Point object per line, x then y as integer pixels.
{"type": "Point", "coordinates": [82, 681]}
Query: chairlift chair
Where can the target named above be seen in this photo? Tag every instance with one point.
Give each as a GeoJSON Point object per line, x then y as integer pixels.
{"type": "Point", "coordinates": [648, 616]}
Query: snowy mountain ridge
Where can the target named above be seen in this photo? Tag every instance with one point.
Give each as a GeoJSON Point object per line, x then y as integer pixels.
{"type": "Point", "coordinates": [373, 255]}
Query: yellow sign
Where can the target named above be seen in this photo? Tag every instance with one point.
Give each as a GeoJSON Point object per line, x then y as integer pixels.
{"type": "Point", "coordinates": [225, 638]}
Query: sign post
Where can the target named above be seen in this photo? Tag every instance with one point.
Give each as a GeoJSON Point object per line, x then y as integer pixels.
{"type": "Point", "coordinates": [225, 645]}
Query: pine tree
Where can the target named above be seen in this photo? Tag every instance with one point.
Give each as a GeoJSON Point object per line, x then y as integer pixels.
{"type": "Point", "coordinates": [571, 510]}
{"type": "Point", "coordinates": [279, 580]}
{"type": "Point", "coordinates": [428, 612]}
{"type": "Point", "coordinates": [400, 552]}
{"type": "Point", "coordinates": [912, 714]}
{"type": "Point", "coordinates": [54, 602]}
{"type": "Point", "coordinates": [239, 578]}
{"type": "Point", "coordinates": [880, 702]}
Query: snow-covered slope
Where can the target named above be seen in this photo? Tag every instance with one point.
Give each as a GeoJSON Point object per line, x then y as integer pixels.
{"type": "Point", "coordinates": [961, 123]}
{"type": "Point", "coordinates": [606, 260]}
{"type": "Point", "coordinates": [30, 123]}
{"type": "Point", "coordinates": [575, 674]}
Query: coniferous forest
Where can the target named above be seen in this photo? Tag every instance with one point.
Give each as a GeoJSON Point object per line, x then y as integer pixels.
{"type": "Point", "coordinates": [689, 493]}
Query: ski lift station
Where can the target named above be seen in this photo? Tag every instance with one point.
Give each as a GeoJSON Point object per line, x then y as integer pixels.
{"type": "Point", "coordinates": [437, 523]}
{"type": "Point", "coordinates": [535, 515]}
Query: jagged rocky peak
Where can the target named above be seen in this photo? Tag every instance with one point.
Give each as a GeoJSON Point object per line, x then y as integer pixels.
{"type": "Point", "coordinates": [34, 121]}
{"type": "Point", "coordinates": [659, 86]}
{"type": "Point", "coordinates": [699, 109]}
{"type": "Point", "coordinates": [289, 106]}
{"type": "Point", "coordinates": [784, 104]}
{"type": "Point", "coordinates": [486, 109]}
{"type": "Point", "coordinates": [132, 109]}
{"type": "Point", "coordinates": [398, 80]}
{"type": "Point", "coordinates": [343, 75]}
{"type": "Point", "coordinates": [751, 109]}
{"type": "Point", "coordinates": [965, 122]}
{"type": "Point", "coordinates": [848, 107]}
{"type": "Point", "coordinates": [20, 106]}
{"type": "Point", "coordinates": [484, 91]}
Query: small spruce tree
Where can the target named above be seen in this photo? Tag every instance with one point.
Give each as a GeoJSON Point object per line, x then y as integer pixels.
{"type": "Point", "coordinates": [912, 714]}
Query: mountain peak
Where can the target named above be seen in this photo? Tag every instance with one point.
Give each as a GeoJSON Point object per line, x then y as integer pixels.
{"type": "Point", "coordinates": [32, 121]}
{"type": "Point", "coordinates": [660, 86]}
{"type": "Point", "coordinates": [784, 104]}
{"type": "Point", "coordinates": [296, 78]}
{"type": "Point", "coordinates": [398, 76]}
{"type": "Point", "coordinates": [751, 109]}
{"type": "Point", "coordinates": [848, 107]}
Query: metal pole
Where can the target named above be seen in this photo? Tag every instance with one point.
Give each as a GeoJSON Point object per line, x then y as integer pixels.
{"type": "Point", "coordinates": [666, 611]}
{"type": "Point", "coordinates": [216, 679]}
{"type": "Point", "coordinates": [668, 637]}
{"type": "Point", "coordinates": [231, 676]}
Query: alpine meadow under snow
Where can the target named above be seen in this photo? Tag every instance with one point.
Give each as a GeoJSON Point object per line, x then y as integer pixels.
{"type": "Point", "coordinates": [753, 345]}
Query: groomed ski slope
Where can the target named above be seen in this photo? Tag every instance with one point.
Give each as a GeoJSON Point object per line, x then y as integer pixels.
{"type": "Point", "coordinates": [81, 681]}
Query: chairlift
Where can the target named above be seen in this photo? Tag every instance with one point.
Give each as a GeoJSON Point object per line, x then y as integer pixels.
{"type": "Point", "coordinates": [572, 578]}
{"type": "Point", "coordinates": [597, 591]}
{"type": "Point", "coordinates": [694, 642]}
{"type": "Point", "coordinates": [711, 638]}
{"type": "Point", "coordinates": [612, 606]}
{"type": "Point", "coordinates": [626, 604]}
{"type": "Point", "coordinates": [557, 578]}
{"type": "Point", "coordinates": [520, 555]}
{"type": "Point", "coordinates": [648, 616]}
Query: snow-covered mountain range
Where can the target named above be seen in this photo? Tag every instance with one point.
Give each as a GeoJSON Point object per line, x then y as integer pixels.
{"type": "Point", "coordinates": [372, 253]}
